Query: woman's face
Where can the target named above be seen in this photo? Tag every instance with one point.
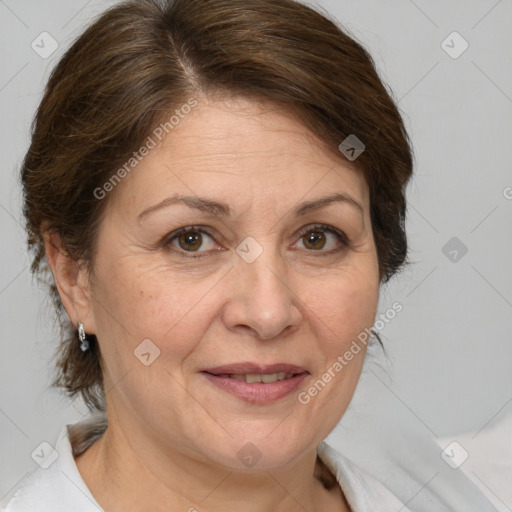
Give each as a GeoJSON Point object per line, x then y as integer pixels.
{"type": "Point", "coordinates": [264, 277]}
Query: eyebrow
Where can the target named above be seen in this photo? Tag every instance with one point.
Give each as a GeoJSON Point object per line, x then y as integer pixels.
{"type": "Point", "coordinates": [219, 209]}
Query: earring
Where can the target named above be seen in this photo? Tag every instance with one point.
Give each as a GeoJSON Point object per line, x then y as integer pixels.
{"type": "Point", "coordinates": [84, 344]}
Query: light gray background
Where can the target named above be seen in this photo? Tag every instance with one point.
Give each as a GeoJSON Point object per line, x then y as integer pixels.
{"type": "Point", "coordinates": [448, 372]}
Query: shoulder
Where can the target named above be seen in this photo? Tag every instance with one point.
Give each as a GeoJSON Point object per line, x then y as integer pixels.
{"type": "Point", "coordinates": [56, 485]}
{"type": "Point", "coordinates": [363, 492]}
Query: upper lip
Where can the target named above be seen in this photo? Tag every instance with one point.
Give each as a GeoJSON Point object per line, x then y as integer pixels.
{"type": "Point", "coordinates": [261, 369]}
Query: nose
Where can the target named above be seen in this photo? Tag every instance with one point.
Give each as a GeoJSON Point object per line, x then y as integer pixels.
{"type": "Point", "coordinates": [262, 301]}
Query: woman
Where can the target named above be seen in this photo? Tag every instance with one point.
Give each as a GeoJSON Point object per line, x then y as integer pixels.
{"type": "Point", "coordinates": [217, 187]}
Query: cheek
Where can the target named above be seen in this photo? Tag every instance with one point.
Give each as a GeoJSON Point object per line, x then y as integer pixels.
{"type": "Point", "coordinates": [135, 302]}
{"type": "Point", "coordinates": [342, 308]}
{"type": "Point", "coordinates": [340, 311]}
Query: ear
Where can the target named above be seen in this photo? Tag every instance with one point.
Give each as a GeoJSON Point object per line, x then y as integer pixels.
{"type": "Point", "coordinates": [72, 280]}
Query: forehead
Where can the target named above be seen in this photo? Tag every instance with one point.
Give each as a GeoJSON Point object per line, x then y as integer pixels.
{"type": "Point", "coordinates": [233, 148]}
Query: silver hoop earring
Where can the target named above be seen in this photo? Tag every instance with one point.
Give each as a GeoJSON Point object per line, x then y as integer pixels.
{"type": "Point", "coordinates": [84, 344]}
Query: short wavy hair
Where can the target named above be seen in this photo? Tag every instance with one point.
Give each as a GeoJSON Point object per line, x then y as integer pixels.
{"type": "Point", "coordinates": [140, 60]}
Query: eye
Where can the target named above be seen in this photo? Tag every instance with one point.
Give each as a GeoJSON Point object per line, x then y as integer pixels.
{"type": "Point", "coordinates": [323, 238]}
{"type": "Point", "coordinates": [190, 239]}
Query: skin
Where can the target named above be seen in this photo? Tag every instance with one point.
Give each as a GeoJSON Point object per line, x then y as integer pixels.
{"type": "Point", "coordinates": [173, 437]}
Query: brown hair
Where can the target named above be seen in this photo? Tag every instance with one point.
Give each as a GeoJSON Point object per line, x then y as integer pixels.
{"type": "Point", "coordinates": [139, 61]}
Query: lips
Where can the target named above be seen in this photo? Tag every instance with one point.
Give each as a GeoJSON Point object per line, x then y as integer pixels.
{"type": "Point", "coordinates": [257, 383]}
{"type": "Point", "coordinates": [252, 368]}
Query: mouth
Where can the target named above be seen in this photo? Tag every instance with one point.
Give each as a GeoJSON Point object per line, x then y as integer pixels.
{"type": "Point", "coordinates": [257, 383]}
{"type": "Point", "coordinates": [251, 378]}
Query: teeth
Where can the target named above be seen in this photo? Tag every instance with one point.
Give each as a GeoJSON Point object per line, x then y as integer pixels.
{"type": "Point", "coordinates": [268, 378]}
{"type": "Point", "coordinates": [252, 377]}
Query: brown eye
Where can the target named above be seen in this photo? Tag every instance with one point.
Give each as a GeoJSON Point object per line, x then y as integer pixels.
{"type": "Point", "coordinates": [323, 238]}
{"type": "Point", "coordinates": [189, 240]}
{"type": "Point", "coordinates": [314, 240]}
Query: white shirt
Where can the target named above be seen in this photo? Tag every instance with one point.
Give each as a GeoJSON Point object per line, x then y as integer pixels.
{"type": "Point", "coordinates": [486, 458]}
{"type": "Point", "coordinates": [60, 488]}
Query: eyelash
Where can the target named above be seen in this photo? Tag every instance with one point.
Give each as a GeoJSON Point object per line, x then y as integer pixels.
{"type": "Point", "coordinates": [342, 237]}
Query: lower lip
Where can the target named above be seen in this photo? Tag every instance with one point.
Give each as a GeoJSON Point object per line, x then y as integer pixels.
{"type": "Point", "coordinates": [257, 392]}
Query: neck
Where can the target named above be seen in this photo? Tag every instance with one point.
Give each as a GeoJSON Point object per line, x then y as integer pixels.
{"type": "Point", "coordinates": [124, 475]}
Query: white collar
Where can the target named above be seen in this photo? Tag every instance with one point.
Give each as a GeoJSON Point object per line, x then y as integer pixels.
{"type": "Point", "coordinates": [60, 487]}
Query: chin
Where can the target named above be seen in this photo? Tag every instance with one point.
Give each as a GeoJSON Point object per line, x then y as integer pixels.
{"type": "Point", "coordinates": [260, 451]}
